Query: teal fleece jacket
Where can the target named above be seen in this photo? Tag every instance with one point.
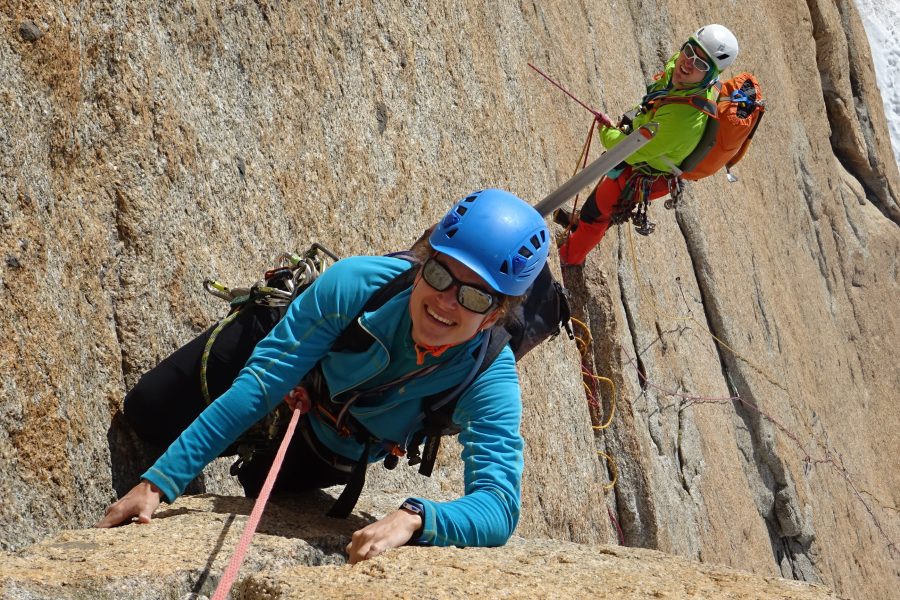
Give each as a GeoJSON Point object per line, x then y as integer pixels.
{"type": "Point", "coordinates": [488, 412]}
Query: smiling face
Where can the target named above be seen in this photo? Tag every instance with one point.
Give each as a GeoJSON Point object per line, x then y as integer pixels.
{"type": "Point", "coordinates": [438, 319]}
{"type": "Point", "coordinates": [688, 67]}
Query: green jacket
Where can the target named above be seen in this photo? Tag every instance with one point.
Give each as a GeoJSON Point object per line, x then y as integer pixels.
{"type": "Point", "coordinates": [680, 127]}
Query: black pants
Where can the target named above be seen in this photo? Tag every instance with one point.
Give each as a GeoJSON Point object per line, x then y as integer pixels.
{"type": "Point", "coordinates": [169, 397]}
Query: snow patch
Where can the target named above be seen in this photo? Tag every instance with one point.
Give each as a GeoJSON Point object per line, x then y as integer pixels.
{"type": "Point", "coordinates": [881, 19]}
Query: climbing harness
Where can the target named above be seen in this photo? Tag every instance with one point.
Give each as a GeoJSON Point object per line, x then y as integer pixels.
{"type": "Point", "coordinates": [605, 163]}
{"type": "Point", "coordinates": [634, 200]}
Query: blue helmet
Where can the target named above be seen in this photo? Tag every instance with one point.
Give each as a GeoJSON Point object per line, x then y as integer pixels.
{"type": "Point", "coordinates": [499, 236]}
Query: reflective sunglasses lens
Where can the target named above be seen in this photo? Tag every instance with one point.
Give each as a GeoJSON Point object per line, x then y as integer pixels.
{"type": "Point", "coordinates": [474, 299]}
{"type": "Point", "coordinates": [436, 275]}
{"type": "Point", "coordinates": [699, 63]}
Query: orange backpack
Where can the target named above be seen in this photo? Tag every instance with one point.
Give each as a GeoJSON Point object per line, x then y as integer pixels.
{"type": "Point", "coordinates": [729, 129]}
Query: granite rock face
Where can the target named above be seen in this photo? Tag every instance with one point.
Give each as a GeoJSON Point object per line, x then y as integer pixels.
{"type": "Point", "coordinates": [297, 554]}
{"type": "Point", "coordinates": [752, 336]}
{"type": "Point", "coordinates": [752, 339]}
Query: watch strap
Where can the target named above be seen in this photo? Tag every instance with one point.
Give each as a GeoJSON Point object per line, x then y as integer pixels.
{"type": "Point", "coordinates": [416, 507]}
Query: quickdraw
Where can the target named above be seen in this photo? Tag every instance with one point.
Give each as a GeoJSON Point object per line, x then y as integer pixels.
{"type": "Point", "coordinates": [634, 201]}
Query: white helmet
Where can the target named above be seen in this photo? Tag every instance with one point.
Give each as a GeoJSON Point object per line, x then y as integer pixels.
{"type": "Point", "coordinates": [719, 44]}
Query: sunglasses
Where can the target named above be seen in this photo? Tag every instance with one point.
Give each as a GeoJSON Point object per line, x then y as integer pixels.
{"type": "Point", "coordinates": [690, 53]}
{"type": "Point", "coordinates": [469, 297]}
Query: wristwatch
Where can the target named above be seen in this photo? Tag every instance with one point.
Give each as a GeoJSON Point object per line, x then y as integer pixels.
{"type": "Point", "coordinates": [415, 507]}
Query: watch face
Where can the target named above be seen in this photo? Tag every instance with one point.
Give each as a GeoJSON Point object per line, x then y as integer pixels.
{"type": "Point", "coordinates": [412, 507]}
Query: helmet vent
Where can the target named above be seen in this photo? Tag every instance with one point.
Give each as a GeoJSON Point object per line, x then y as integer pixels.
{"type": "Point", "coordinates": [450, 220]}
{"type": "Point", "coordinates": [504, 268]}
{"type": "Point", "coordinates": [519, 264]}
{"type": "Point", "coordinates": [461, 210]}
{"type": "Point", "coordinates": [471, 198]}
{"type": "Point", "coordinates": [523, 251]}
{"type": "Point", "coordinates": [451, 232]}
{"type": "Point", "coordinates": [535, 242]}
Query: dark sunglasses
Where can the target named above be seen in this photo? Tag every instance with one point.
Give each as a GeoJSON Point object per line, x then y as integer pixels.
{"type": "Point", "coordinates": [469, 297]}
{"type": "Point", "coordinates": [691, 54]}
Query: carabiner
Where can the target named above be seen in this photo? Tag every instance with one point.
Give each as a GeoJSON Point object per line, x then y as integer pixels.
{"type": "Point", "coordinates": [740, 97]}
{"type": "Point", "coordinates": [218, 290]}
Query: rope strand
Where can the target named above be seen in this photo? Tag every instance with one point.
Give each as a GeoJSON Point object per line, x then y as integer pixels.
{"type": "Point", "coordinates": [692, 400]}
{"type": "Point", "coordinates": [234, 565]}
{"type": "Point", "coordinates": [597, 114]}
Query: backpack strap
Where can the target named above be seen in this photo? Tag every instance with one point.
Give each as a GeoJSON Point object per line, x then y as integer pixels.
{"type": "Point", "coordinates": [439, 408]}
{"type": "Point", "coordinates": [698, 101]}
{"type": "Point", "coordinates": [354, 338]}
{"type": "Point", "coordinates": [657, 98]}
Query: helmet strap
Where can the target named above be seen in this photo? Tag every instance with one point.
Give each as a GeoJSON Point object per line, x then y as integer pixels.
{"type": "Point", "coordinates": [710, 78]}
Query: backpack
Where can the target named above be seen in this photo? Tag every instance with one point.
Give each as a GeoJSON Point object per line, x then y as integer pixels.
{"type": "Point", "coordinates": [540, 315]}
{"type": "Point", "coordinates": [733, 122]}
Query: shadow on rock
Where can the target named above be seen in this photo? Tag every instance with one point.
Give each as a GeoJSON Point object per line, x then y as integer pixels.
{"type": "Point", "coordinates": [294, 516]}
{"type": "Point", "coordinates": [129, 455]}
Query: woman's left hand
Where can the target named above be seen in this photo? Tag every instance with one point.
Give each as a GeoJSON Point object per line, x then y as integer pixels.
{"type": "Point", "coordinates": [604, 119]}
{"type": "Point", "coordinates": [390, 532]}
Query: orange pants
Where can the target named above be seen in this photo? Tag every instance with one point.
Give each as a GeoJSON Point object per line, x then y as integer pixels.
{"type": "Point", "coordinates": [596, 214]}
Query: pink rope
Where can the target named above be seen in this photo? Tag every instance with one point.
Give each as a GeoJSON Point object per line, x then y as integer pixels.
{"type": "Point", "coordinates": [596, 113]}
{"type": "Point", "coordinates": [234, 566]}
{"type": "Point", "coordinates": [618, 527]}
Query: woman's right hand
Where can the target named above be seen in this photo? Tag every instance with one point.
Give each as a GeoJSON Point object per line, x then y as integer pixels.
{"type": "Point", "coordinates": [298, 399]}
{"type": "Point", "coordinates": [140, 502]}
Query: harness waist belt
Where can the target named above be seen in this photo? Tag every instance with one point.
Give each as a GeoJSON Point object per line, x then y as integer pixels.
{"type": "Point", "coordinates": [325, 454]}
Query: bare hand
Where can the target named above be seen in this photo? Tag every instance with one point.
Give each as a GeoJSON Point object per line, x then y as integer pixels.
{"type": "Point", "coordinates": [140, 502]}
{"type": "Point", "coordinates": [390, 532]}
